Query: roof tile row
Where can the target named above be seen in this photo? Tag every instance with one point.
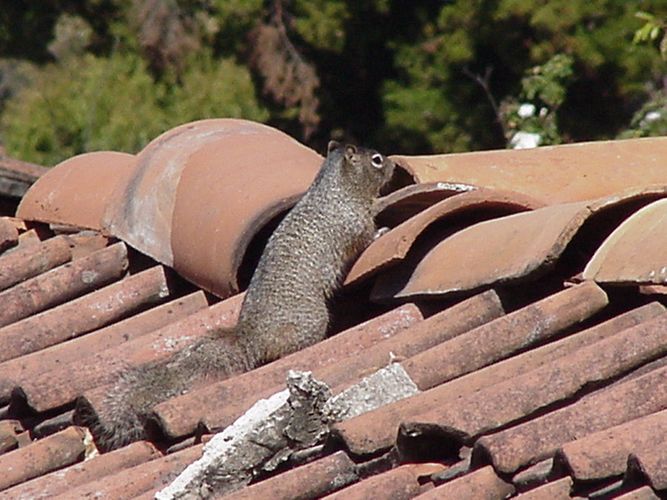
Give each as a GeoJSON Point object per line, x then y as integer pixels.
{"type": "Point", "coordinates": [532, 396]}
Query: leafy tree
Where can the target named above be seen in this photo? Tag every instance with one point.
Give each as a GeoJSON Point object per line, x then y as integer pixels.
{"type": "Point", "coordinates": [94, 103]}
{"type": "Point", "coordinates": [409, 77]}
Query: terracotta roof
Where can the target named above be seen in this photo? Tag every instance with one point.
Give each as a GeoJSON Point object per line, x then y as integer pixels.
{"type": "Point", "coordinates": [17, 176]}
{"type": "Point", "coordinates": [521, 292]}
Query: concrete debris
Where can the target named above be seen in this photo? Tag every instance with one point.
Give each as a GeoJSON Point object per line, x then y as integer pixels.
{"type": "Point", "coordinates": [274, 428]}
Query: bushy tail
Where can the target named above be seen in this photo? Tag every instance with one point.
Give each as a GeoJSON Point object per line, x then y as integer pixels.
{"type": "Point", "coordinates": [121, 418]}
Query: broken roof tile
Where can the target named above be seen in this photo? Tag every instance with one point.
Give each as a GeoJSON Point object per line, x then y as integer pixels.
{"type": "Point", "coordinates": [604, 453]}
{"type": "Point", "coordinates": [376, 430]}
{"type": "Point", "coordinates": [400, 483]}
{"type": "Point", "coordinates": [394, 245]}
{"type": "Point", "coordinates": [131, 482]}
{"type": "Point", "coordinates": [45, 455]}
{"type": "Point", "coordinates": [218, 405]}
{"type": "Point", "coordinates": [553, 174]}
{"type": "Point", "coordinates": [312, 480]}
{"type": "Point", "coordinates": [61, 284]}
{"type": "Point", "coordinates": [63, 481]}
{"type": "Point", "coordinates": [531, 441]}
{"type": "Point", "coordinates": [633, 253]}
{"type": "Point", "coordinates": [77, 191]}
{"type": "Point", "coordinates": [18, 372]}
{"type": "Point", "coordinates": [483, 483]}
{"type": "Point", "coordinates": [84, 314]}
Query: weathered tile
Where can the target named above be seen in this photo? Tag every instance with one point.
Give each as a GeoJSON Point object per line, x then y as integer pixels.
{"type": "Point", "coordinates": [77, 190]}
{"type": "Point", "coordinates": [104, 367]}
{"type": "Point", "coordinates": [483, 484]}
{"type": "Point", "coordinates": [651, 463]}
{"type": "Point", "coordinates": [502, 337]}
{"type": "Point", "coordinates": [504, 249]}
{"type": "Point", "coordinates": [312, 480]}
{"type": "Point", "coordinates": [555, 490]}
{"type": "Point", "coordinates": [394, 245]}
{"type": "Point", "coordinates": [376, 430]}
{"type": "Point", "coordinates": [146, 477]}
{"type": "Point", "coordinates": [63, 481]}
{"type": "Point", "coordinates": [643, 493]}
{"type": "Point", "coordinates": [447, 324]}
{"type": "Point", "coordinates": [219, 404]}
{"type": "Point", "coordinates": [84, 314]}
{"type": "Point", "coordinates": [42, 456]}
{"type": "Point", "coordinates": [604, 453]}
{"type": "Point", "coordinates": [62, 284]}
{"type": "Point", "coordinates": [19, 372]}
{"type": "Point", "coordinates": [553, 174]}
{"type": "Point", "coordinates": [401, 483]}
{"type": "Point", "coordinates": [542, 436]}
{"type": "Point", "coordinates": [9, 235]}
{"type": "Point", "coordinates": [514, 399]}
{"type": "Point", "coordinates": [9, 430]}
{"type": "Point", "coordinates": [29, 261]}
{"type": "Point", "coordinates": [633, 253]}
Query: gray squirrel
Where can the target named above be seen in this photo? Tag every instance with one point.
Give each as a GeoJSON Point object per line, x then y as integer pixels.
{"type": "Point", "coordinates": [286, 304]}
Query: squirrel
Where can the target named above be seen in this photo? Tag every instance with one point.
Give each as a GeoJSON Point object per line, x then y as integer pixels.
{"type": "Point", "coordinates": [286, 303]}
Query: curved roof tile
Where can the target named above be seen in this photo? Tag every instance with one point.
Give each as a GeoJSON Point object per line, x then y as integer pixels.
{"type": "Point", "coordinates": [202, 190]}
{"type": "Point", "coordinates": [230, 188]}
{"type": "Point", "coordinates": [78, 190]}
{"type": "Point", "coordinates": [394, 245]}
{"type": "Point", "coordinates": [553, 174]}
{"type": "Point", "coordinates": [499, 250]}
{"type": "Point", "coordinates": [634, 252]}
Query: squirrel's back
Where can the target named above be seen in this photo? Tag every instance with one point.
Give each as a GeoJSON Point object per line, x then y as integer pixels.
{"type": "Point", "coordinates": [285, 307]}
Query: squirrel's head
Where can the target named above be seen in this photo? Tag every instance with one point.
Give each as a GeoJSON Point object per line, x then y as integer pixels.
{"type": "Point", "coordinates": [371, 168]}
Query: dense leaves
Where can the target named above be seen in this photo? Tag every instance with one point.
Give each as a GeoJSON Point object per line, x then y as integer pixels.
{"type": "Point", "coordinates": [416, 77]}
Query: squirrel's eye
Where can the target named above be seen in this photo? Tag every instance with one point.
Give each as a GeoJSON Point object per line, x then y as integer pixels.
{"type": "Point", "coordinates": [377, 160]}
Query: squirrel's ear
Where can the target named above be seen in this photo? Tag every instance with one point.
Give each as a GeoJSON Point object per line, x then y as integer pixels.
{"type": "Point", "coordinates": [332, 146]}
{"type": "Point", "coordinates": [350, 151]}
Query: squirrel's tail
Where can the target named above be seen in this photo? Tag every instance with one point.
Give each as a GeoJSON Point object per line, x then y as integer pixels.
{"type": "Point", "coordinates": [122, 416]}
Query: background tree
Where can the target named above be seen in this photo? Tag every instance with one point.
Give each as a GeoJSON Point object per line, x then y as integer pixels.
{"type": "Point", "coordinates": [410, 77]}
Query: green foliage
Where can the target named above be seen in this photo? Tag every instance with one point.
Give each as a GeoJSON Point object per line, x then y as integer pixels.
{"type": "Point", "coordinates": [87, 104]}
{"type": "Point", "coordinates": [213, 88]}
{"type": "Point", "coordinates": [652, 30]}
{"type": "Point", "coordinates": [321, 23]}
{"type": "Point", "coordinates": [547, 83]}
{"type": "Point", "coordinates": [94, 103]}
{"type": "Point", "coordinates": [588, 89]}
{"type": "Point", "coordinates": [543, 90]}
{"type": "Point", "coordinates": [650, 120]}
{"type": "Point", "coordinates": [410, 77]}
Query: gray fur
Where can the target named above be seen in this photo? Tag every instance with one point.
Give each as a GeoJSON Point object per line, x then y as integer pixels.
{"type": "Point", "coordinates": [286, 305]}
